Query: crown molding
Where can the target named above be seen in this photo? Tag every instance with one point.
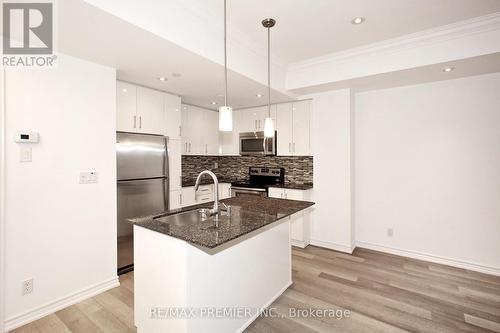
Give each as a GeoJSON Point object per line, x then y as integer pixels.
{"type": "Point", "coordinates": [437, 35]}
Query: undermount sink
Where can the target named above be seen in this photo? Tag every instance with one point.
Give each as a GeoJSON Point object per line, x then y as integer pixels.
{"type": "Point", "coordinates": [199, 216]}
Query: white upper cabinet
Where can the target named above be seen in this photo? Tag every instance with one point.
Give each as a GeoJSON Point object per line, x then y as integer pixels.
{"type": "Point", "coordinates": [252, 120]}
{"type": "Point", "coordinates": [185, 130]}
{"type": "Point", "coordinates": [149, 111]}
{"type": "Point", "coordinates": [301, 144]}
{"type": "Point", "coordinates": [230, 141]}
{"type": "Point", "coordinates": [200, 134]}
{"type": "Point", "coordinates": [126, 106]}
{"type": "Point", "coordinates": [196, 129]}
{"type": "Point", "coordinates": [211, 135]}
{"type": "Point", "coordinates": [293, 126]}
{"type": "Point", "coordinates": [284, 124]}
{"type": "Point", "coordinates": [172, 106]}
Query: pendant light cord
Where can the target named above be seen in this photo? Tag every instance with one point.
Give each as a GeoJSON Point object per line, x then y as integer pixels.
{"type": "Point", "coordinates": [225, 55]}
{"type": "Point", "coordinates": [269, 72]}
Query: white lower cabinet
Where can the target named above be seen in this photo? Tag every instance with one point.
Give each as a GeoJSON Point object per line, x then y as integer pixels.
{"type": "Point", "coordinates": [188, 196]}
{"type": "Point", "coordinates": [299, 222]}
{"type": "Point", "coordinates": [205, 193]}
{"type": "Point", "coordinates": [175, 199]}
{"type": "Point", "coordinates": [224, 190]}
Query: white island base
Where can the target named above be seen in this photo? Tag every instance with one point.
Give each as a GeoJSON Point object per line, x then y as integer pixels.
{"type": "Point", "coordinates": [249, 273]}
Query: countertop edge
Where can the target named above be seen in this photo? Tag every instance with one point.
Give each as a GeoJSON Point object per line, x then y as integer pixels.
{"type": "Point", "coordinates": [143, 222]}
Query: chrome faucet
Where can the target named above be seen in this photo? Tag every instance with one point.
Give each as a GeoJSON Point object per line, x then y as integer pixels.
{"type": "Point", "coordinates": [215, 210]}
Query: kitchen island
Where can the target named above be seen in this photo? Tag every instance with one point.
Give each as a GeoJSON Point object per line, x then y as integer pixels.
{"type": "Point", "coordinates": [191, 276]}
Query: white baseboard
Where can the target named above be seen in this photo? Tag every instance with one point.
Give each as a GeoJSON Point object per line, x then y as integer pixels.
{"type": "Point", "coordinates": [51, 307]}
{"type": "Point", "coordinates": [333, 246]}
{"type": "Point", "coordinates": [251, 320]}
{"type": "Point", "coordinates": [431, 258]}
{"type": "Point", "coordinates": [301, 244]}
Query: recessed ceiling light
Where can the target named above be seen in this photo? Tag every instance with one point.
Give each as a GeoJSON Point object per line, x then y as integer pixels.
{"type": "Point", "coordinates": [259, 95]}
{"type": "Point", "coordinates": [176, 74]}
{"type": "Point", "coordinates": [358, 20]}
{"type": "Point", "coordinates": [214, 103]}
{"type": "Point", "coordinates": [185, 107]}
{"type": "Point", "coordinates": [124, 90]}
{"type": "Point", "coordinates": [161, 78]}
{"type": "Point", "coordinates": [448, 69]}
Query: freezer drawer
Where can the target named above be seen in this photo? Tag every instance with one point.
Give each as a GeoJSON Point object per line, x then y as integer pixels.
{"type": "Point", "coordinates": [137, 198]}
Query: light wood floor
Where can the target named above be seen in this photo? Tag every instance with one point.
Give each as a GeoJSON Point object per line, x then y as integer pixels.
{"type": "Point", "coordinates": [385, 294]}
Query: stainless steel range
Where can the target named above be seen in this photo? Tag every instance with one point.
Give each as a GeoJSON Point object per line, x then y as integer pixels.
{"type": "Point", "coordinates": [260, 178]}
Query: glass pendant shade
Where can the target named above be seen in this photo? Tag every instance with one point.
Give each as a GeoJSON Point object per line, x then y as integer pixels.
{"type": "Point", "coordinates": [269, 127]}
{"type": "Point", "coordinates": [225, 118]}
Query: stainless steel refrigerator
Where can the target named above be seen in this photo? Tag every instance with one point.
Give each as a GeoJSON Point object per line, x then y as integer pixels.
{"type": "Point", "coordinates": [142, 186]}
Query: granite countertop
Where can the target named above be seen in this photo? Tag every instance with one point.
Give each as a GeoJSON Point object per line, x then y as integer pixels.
{"type": "Point", "coordinates": [206, 181]}
{"type": "Point", "coordinates": [294, 186]}
{"type": "Point", "coordinates": [247, 214]}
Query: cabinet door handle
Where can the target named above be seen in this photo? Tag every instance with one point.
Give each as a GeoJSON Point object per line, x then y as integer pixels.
{"type": "Point", "coordinates": [281, 195]}
{"type": "Point", "coordinates": [180, 130]}
{"type": "Point", "coordinates": [289, 147]}
{"type": "Point", "coordinates": [180, 198]}
{"type": "Point", "coordinates": [255, 123]}
{"type": "Point", "coordinates": [294, 147]}
{"type": "Point", "coordinates": [180, 181]}
{"type": "Point", "coordinates": [140, 121]}
{"type": "Point", "coordinates": [135, 121]}
{"type": "Point", "coordinates": [190, 147]}
{"type": "Point", "coordinates": [206, 148]}
{"type": "Point", "coordinates": [286, 195]}
{"type": "Point", "coordinates": [186, 147]}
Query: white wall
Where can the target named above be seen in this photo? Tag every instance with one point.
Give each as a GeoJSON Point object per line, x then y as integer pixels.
{"type": "Point", "coordinates": [331, 144]}
{"type": "Point", "coordinates": [428, 165]}
{"type": "Point", "coordinates": [58, 232]}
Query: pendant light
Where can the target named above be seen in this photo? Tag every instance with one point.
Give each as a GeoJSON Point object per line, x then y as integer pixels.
{"type": "Point", "coordinates": [225, 112]}
{"type": "Point", "coordinates": [268, 123]}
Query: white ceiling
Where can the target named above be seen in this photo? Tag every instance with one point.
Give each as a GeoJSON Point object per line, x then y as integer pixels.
{"type": "Point", "coordinates": [461, 68]}
{"type": "Point", "coordinates": [311, 28]}
{"type": "Point", "coordinates": [140, 57]}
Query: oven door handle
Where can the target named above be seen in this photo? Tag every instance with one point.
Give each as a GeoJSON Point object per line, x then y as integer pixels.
{"type": "Point", "coordinates": [247, 190]}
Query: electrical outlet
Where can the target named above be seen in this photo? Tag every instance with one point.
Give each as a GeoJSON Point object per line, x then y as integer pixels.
{"type": "Point", "coordinates": [216, 165]}
{"type": "Point", "coordinates": [390, 232]}
{"type": "Point", "coordinates": [27, 286]}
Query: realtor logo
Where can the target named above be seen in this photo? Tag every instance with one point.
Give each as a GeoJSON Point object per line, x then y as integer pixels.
{"type": "Point", "coordinates": [28, 34]}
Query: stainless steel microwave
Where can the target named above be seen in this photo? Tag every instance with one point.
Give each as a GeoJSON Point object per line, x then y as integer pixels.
{"type": "Point", "coordinates": [255, 143]}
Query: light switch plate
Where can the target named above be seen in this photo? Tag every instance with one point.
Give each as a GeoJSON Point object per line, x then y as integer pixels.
{"type": "Point", "coordinates": [25, 154]}
{"type": "Point", "coordinates": [88, 177]}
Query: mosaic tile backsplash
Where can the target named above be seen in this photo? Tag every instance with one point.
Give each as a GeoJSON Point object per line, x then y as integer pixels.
{"type": "Point", "coordinates": [298, 169]}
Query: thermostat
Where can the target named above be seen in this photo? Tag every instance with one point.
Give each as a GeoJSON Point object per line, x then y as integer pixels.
{"type": "Point", "coordinates": [27, 137]}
